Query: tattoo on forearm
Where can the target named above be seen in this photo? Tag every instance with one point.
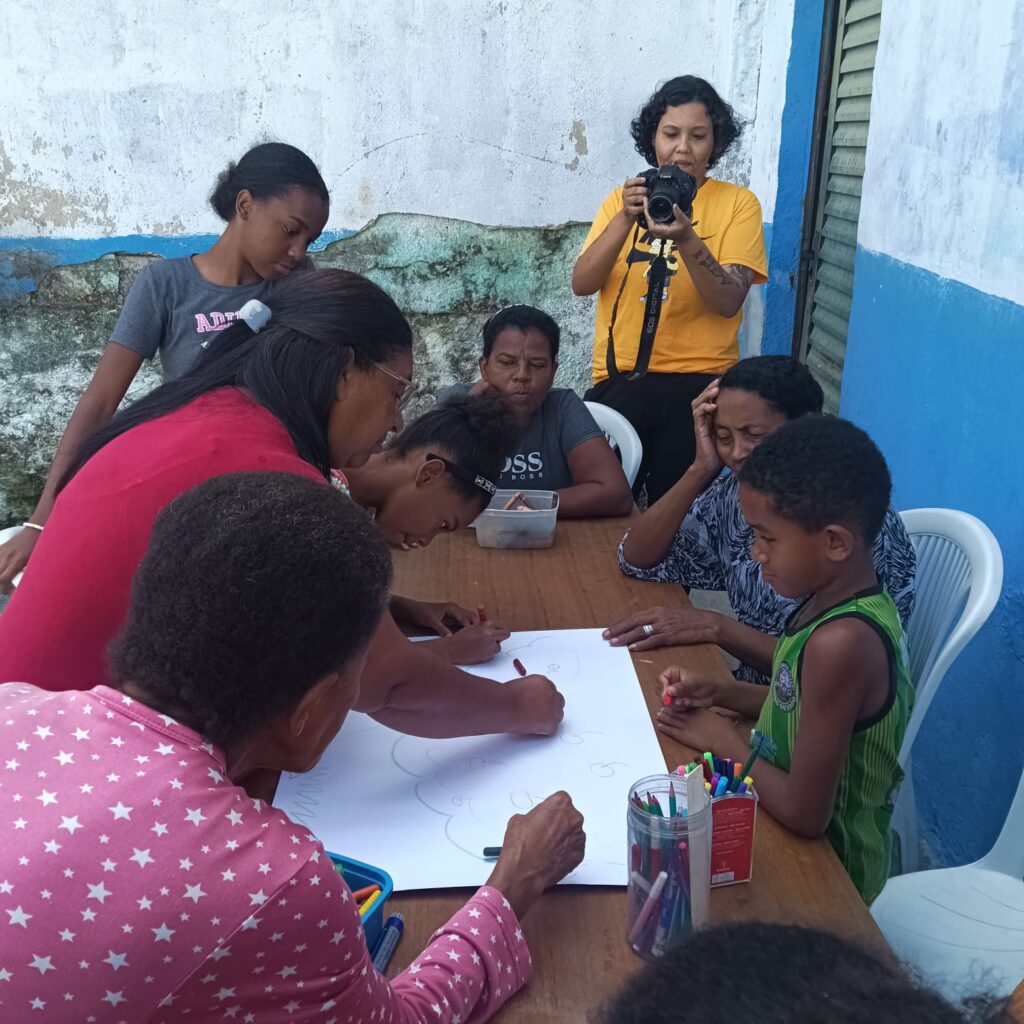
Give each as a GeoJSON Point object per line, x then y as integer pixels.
{"type": "Point", "coordinates": [703, 258]}
{"type": "Point", "coordinates": [740, 275]}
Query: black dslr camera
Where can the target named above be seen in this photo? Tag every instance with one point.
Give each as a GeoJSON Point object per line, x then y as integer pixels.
{"type": "Point", "coordinates": [666, 186]}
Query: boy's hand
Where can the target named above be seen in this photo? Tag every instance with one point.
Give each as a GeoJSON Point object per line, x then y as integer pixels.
{"type": "Point", "coordinates": [702, 729]}
{"type": "Point", "coordinates": [472, 645]}
{"type": "Point", "coordinates": [686, 689]}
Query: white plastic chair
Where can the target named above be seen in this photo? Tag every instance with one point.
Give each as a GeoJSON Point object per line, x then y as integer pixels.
{"type": "Point", "coordinates": [5, 536]}
{"type": "Point", "coordinates": [959, 578]}
{"type": "Point", "coordinates": [962, 928]}
{"type": "Point", "coordinates": [622, 436]}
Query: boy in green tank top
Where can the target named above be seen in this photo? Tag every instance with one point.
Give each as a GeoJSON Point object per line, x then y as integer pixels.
{"type": "Point", "coordinates": [815, 493]}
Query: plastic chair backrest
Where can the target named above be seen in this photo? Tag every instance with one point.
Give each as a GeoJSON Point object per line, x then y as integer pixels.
{"type": "Point", "coordinates": [622, 435]}
{"type": "Point", "coordinates": [959, 578]}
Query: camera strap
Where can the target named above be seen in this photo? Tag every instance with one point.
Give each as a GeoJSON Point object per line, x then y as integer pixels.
{"type": "Point", "coordinates": [652, 314]}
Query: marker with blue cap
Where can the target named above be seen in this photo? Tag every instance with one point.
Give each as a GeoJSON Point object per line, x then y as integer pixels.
{"type": "Point", "coordinates": [393, 928]}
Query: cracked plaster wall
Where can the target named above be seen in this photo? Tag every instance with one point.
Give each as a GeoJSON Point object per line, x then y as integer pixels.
{"type": "Point", "coordinates": [452, 136]}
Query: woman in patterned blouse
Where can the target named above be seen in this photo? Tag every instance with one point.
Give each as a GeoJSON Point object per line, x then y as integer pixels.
{"type": "Point", "coordinates": [697, 536]}
{"type": "Point", "coordinates": [171, 894]}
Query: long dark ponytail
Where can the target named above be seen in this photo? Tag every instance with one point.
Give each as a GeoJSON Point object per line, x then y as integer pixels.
{"type": "Point", "coordinates": [323, 322]}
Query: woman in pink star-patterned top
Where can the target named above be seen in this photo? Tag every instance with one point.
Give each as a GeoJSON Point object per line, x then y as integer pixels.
{"type": "Point", "coordinates": [138, 883]}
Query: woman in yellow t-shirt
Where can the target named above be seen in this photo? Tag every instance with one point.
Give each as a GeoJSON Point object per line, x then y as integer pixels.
{"type": "Point", "coordinates": [711, 258]}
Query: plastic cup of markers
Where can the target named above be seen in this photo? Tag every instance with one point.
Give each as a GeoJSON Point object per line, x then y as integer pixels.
{"type": "Point", "coordinates": [669, 866]}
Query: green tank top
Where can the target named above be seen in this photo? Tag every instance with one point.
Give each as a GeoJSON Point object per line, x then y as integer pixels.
{"type": "Point", "coordinates": [859, 830]}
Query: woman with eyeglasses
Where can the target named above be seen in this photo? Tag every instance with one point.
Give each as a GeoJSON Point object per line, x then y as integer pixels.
{"type": "Point", "coordinates": [320, 386]}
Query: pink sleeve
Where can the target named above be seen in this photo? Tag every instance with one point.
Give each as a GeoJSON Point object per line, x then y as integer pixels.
{"type": "Point", "coordinates": [302, 954]}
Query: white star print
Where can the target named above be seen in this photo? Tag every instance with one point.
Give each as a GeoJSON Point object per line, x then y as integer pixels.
{"type": "Point", "coordinates": [42, 964]}
{"type": "Point", "coordinates": [120, 811]}
{"type": "Point", "coordinates": [13, 765]}
{"type": "Point", "coordinates": [81, 734]}
{"type": "Point", "coordinates": [163, 933]}
{"type": "Point", "coordinates": [144, 903]}
{"type": "Point", "coordinates": [65, 758]}
{"type": "Point", "coordinates": [165, 748]}
{"type": "Point", "coordinates": [193, 893]}
{"type": "Point", "coordinates": [114, 997]}
{"type": "Point", "coordinates": [195, 815]}
{"type": "Point", "coordinates": [257, 899]}
{"type": "Point", "coordinates": [159, 829]}
{"type": "Point", "coordinates": [98, 892]}
{"type": "Point", "coordinates": [43, 732]}
{"type": "Point", "coordinates": [18, 916]}
{"type": "Point", "coordinates": [52, 846]}
{"type": "Point", "coordinates": [47, 798]}
{"type": "Point", "coordinates": [141, 857]}
{"type": "Point", "coordinates": [20, 823]}
{"type": "Point", "coordinates": [67, 935]}
{"type": "Point", "coordinates": [117, 960]}
{"type": "Point", "coordinates": [72, 824]}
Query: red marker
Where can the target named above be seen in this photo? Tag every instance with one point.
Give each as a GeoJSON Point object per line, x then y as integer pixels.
{"type": "Point", "coordinates": [519, 666]}
{"type": "Point", "coordinates": [666, 698]}
{"type": "Point", "coordinates": [481, 612]}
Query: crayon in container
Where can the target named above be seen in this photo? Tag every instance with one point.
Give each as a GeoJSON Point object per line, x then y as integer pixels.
{"type": "Point", "coordinates": [358, 876]}
{"type": "Point", "coordinates": [669, 884]}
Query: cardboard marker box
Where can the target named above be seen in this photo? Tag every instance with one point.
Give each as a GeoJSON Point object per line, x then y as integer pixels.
{"type": "Point", "coordinates": [733, 817]}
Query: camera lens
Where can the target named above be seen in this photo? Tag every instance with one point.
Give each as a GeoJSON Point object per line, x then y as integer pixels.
{"type": "Point", "coordinates": [660, 207]}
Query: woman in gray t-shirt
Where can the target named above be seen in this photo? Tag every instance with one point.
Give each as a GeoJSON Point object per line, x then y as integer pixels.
{"type": "Point", "coordinates": [275, 203]}
{"type": "Point", "coordinates": [561, 448]}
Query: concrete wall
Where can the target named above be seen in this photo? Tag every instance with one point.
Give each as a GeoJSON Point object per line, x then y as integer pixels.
{"type": "Point", "coordinates": [935, 369]}
{"type": "Point", "coordinates": [461, 124]}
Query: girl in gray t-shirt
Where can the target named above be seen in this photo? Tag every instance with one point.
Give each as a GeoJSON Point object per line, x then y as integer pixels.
{"type": "Point", "coordinates": [275, 203]}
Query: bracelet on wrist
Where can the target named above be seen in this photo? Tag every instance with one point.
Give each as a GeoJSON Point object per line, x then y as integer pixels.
{"type": "Point", "coordinates": [32, 526]}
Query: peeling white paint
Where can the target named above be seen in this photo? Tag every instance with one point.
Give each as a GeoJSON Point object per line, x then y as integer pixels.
{"type": "Point", "coordinates": [944, 180]}
{"type": "Point", "coordinates": [118, 117]}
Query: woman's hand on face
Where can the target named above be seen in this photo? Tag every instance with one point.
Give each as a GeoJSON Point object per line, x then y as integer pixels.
{"type": "Point", "coordinates": [704, 407]}
{"type": "Point", "coordinates": [668, 626]}
{"type": "Point", "coordinates": [472, 645]}
{"type": "Point", "coordinates": [679, 230]}
{"type": "Point", "coordinates": [540, 848]}
{"type": "Point", "coordinates": [634, 196]}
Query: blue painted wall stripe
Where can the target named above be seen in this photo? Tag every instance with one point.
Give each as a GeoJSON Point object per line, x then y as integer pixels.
{"type": "Point", "coordinates": [934, 373]}
{"type": "Point", "coordinates": [794, 164]}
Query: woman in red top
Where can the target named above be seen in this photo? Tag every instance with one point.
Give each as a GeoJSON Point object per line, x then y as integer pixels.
{"type": "Point", "coordinates": [321, 386]}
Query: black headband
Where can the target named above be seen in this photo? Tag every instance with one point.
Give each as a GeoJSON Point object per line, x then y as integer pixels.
{"type": "Point", "coordinates": [475, 479]}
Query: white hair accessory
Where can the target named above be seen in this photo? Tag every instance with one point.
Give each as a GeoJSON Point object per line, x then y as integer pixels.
{"type": "Point", "coordinates": [255, 314]}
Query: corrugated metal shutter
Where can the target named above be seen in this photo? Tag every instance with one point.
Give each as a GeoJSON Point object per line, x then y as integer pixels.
{"type": "Point", "coordinates": [829, 288]}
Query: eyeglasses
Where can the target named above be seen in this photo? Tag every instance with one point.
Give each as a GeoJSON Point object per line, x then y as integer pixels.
{"type": "Point", "coordinates": [402, 400]}
{"type": "Point", "coordinates": [470, 477]}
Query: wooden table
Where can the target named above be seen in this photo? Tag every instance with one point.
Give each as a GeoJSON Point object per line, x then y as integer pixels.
{"type": "Point", "coordinates": [577, 934]}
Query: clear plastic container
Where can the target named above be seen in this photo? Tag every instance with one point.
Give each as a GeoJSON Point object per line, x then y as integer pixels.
{"type": "Point", "coordinates": [532, 528]}
{"type": "Point", "coordinates": [669, 885]}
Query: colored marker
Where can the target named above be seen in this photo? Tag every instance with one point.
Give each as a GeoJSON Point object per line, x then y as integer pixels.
{"type": "Point", "coordinates": [714, 782]}
{"type": "Point", "coordinates": [481, 612]}
{"type": "Point", "coordinates": [722, 788]}
{"type": "Point", "coordinates": [710, 762]}
{"type": "Point", "coordinates": [756, 741]}
{"type": "Point", "coordinates": [362, 895]}
{"type": "Point", "coordinates": [491, 852]}
{"type": "Point", "coordinates": [519, 666]}
{"type": "Point", "coordinates": [666, 698]}
{"type": "Point", "coordinates": [393, 929]}
{"type": "Point", "coordinates": [368, 905]}
{"type": "Point", "coordinates": [671, 800]}
{"type": "Point", "coordinates": [648, 908]}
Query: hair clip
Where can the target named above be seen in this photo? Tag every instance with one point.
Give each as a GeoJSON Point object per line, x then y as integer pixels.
{"type": "Point", "coordinates": [255, 314]}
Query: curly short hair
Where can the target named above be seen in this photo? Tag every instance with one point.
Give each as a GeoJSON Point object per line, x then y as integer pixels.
{"type": "Point", "coordinates": [793, 974]}
{"type": "Point", "coordinates": [253, 588]}
{"type": "Point", "coordinates": [818, 470]}
{"type": "Point", "coordinates": [524, 318]}
{"type": "Point", "coordinates": [782, 381]}
{"type": "Point", "coordinates": [675, 92]}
